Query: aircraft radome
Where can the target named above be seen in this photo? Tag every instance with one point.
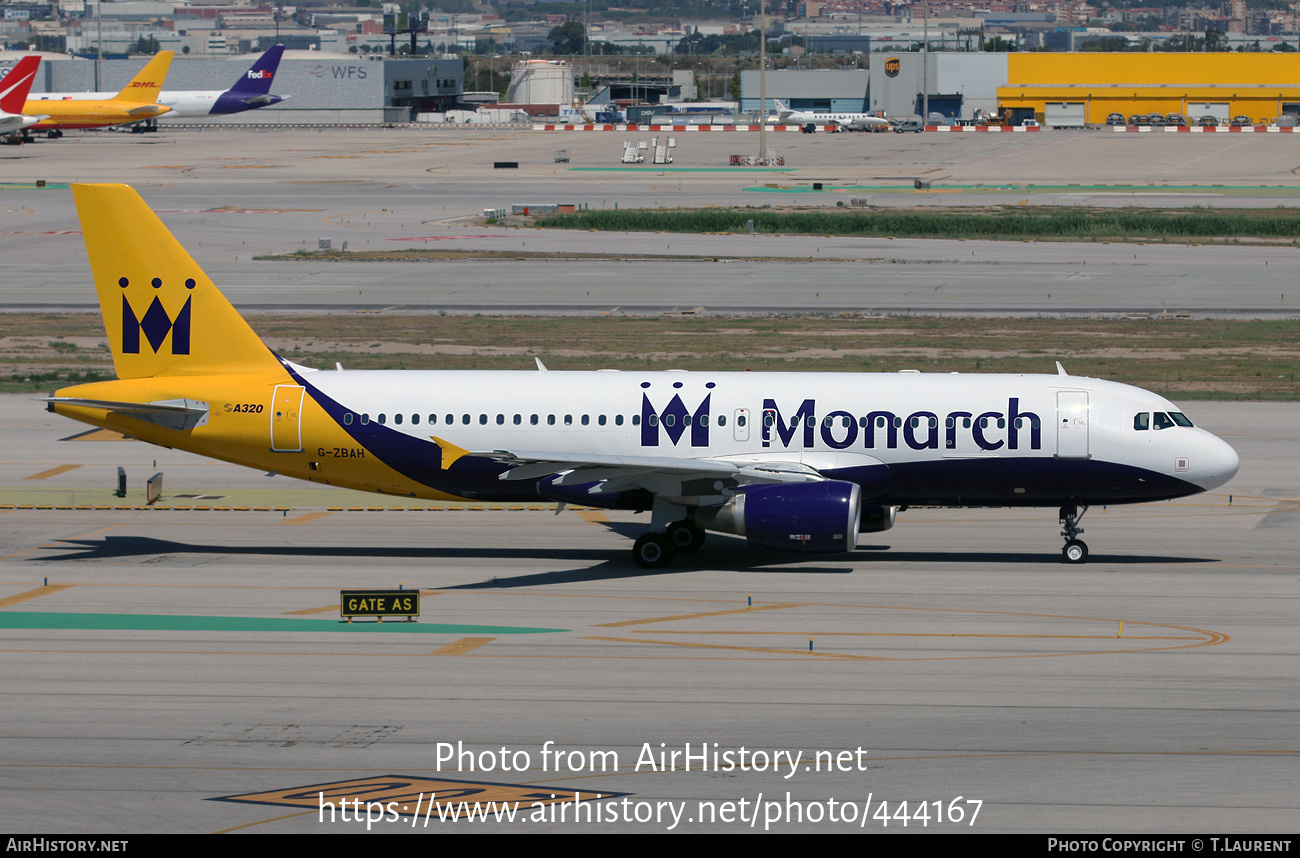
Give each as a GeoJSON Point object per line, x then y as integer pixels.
{"type": "Point", "coordinates": [797, 462]}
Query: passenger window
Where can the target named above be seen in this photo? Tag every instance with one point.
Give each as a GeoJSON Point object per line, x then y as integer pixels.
{"type": "Point", "coordinates": [464, 419]}
{"type": "Point", "coordinates": [704, 420]}
{"type": "Point", "coordinates": [586, 420]}
{"type": "Point", "coordinates": [347, 418]}
{"type": "Point", "coordinates": [568, 420]}
{"type": "Point", "coordinates": [636, 419]}
{"type": "Point", "coordinates": [519, 418]}
{"type": "Point", "coordinates": [768, 418]}
{"type": "Point", "coordinates": [601, 420]}
{"type": "Point", "coordinates": [501, 420]}
{"type": "Point", "coordinates": [482, 420]}
{"type": "Point", "coordinates": [383, 418]}
{"type": "Point", "coordinates": [670, 419]}
{"type": "Point", "coordinates": [397, 418]}
{"type": "Point", "coordinates": [1142, 421]}
{"type": "Point", "coordinates": [653, 420]}
{"type": "Point", "coordinates": [550, 419]}
{"type": "Point", "coordinates": [433, 419]}
{"type": "Point", "coordinates": [451, 418]}
{"type": "Point", "coordinates": [722, 419]}
{"type": "Point", "coordinates": [365, 419]}
{"type": "Point", "coordinates": [415, 419]}
{"type": "Point", "coordinates": [532, 419]}
{"type": "Point", "coordinates": [934, 422]}
{"type": "Point", "coordinates": [1002, 422]}
{"type": "Point", "coordinates": [618, 419]}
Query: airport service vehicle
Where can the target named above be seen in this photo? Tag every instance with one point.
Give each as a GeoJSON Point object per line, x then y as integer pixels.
{"type": "Point", "coordinates": [251, 91]}
{"type": "Point", "coordinates": [1208, 121]}
{"type": "Point", "coordinates": [909, 125]}
{"type": "Point", "coordinates": [137, 102]}
{"type": "Point", "coordinates": [13, 94]}
{"type": "Point", "coordinates": [849, 121]}
{"type": "Point", "coordinates": [795, 462]}
{"type": "Point", "coordinates": [1115, 119]}
{"type": "Point", "coordinates": [1241, 122]}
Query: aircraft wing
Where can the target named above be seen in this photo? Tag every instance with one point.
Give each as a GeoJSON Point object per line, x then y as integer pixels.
{"type": "Point", "coordinates": [592, 466]}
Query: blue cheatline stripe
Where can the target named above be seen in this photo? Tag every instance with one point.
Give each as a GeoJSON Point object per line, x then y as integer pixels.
{"type": "Point", "coordinates": [179, 623]}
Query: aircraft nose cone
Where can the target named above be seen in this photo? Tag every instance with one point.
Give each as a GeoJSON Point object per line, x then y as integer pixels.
{"type": "Point", "coordinates": [1221, 462]}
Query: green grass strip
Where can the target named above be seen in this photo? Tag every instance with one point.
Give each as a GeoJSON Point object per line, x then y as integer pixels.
{"type": "Point", "coordinates": [178, 623]}
{"type": "Point", "coordinates": [1065, 224]}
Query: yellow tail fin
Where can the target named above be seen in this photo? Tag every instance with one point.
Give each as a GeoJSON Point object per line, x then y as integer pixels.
{"type": "Point", "coordinates": [146, 86]}
{"type": "Point", "coordinates": [162, 313]}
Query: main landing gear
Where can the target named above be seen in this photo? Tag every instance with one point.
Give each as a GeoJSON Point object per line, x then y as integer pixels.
{"type": "Point", "coordinates": [1075, 550]}
{"type": "Point", "coordinates": [655, 550]}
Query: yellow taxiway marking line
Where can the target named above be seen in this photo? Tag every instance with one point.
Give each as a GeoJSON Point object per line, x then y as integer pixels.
{"type": "Point", "coordinates": [747, 649]}
{"type": "Point", "coordinates": [594, 516]}
{"type": "Point", "coordinates": [697, 616]}
{"type": "Point", "coordinates": [306, 611]}
{"type": "Point", "coordinates": [52, 472]}
{"type": "Point", "coordinates": [33, 594]}
{"type": "Point", "coordinates": [462, 646]}
{"type": "Point", "coordinates": [306, 518]}
{"type": "Point", "coordinates": [925, 635]}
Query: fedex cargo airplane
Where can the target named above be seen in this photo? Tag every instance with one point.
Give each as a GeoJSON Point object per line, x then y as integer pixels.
{"type": "Point", "coordinates": [797, 462]}
{"type": "Point", "coordinates": [251, 91]}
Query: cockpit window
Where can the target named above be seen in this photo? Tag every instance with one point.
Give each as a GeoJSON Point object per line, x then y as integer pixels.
{"type": "Point", "coordinates": [1180, 419]}
{"type": "Point", "coordinates": [1142, 421]}
{"type": "Point", "coordinates": [1162, 420]}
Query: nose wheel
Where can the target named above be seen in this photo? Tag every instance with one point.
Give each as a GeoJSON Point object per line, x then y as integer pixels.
{"type": "Point", "coordinates": [1075, 549]}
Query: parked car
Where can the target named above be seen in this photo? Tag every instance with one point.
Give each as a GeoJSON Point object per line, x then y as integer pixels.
{"type": "Point", "coordinates": [1208, 121]}
{"type": "Point", "coordinates": [1241, 122]}
{"type": "Point", "coordinates": [1155, 119]}
{"type": "Point", "coordinates": [909, 125]}
{"type": "Point", "coordinates": [1138, 119]}
{"type": "Point", "coordinates": [1030, 123]}
{"type": "Point", "coordinates": [809, 128]}
{"type": "Point", "coordinates": [1175, 119]}
{"type": "Point", "coordinates": [1115, 119]}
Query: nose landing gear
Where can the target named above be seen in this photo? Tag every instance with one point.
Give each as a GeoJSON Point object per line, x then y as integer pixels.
{"type": "Point", "coordinates": [1075, 550]}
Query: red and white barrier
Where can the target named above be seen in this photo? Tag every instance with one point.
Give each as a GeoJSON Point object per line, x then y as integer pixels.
{"type": "Point", "coordinates": [676, 128]}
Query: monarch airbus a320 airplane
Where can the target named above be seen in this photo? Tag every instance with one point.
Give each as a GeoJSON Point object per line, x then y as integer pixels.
{"type": "Point", "coordinates": [799, 462]}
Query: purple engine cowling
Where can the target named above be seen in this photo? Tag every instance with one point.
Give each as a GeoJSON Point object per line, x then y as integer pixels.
{"type": "Point", "coordinates": [802, 518]}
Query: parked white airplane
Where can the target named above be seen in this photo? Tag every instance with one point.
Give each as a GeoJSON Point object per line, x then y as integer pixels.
{"type": "Point", "coordinates": [251, 91]}
{"type": "Point", "coordinates": [799, 462]}
{"type": "Point", "coordinates": [851, 121]}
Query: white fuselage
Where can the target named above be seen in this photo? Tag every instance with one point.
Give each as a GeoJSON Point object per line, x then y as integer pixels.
{"type": "Point", "coordinates": [946, 439]}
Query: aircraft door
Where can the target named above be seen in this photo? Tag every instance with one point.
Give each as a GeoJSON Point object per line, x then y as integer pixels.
{"type": "Point", "coordinates": [286, 419]}
{"type": "Point", "coordinates": [1072, 424]}
{"type": "Point", "coordinates": [740, 426]}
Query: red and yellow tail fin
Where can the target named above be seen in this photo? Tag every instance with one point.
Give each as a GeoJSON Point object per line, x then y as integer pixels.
{"type": "Point", "coordinates": [163, 315]}
{"type": "Point", "coordinates": [146, 86]}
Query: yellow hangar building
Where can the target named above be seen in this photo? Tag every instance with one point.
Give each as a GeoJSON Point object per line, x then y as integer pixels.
{"type": "Point", "coordinates": [1085, 88]}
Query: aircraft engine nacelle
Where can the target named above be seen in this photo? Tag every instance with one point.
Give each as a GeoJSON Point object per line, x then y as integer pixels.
{"type": "Point", "coordinates": [802, 518]}
{"type": "Point", "coordinates": [876, 518]}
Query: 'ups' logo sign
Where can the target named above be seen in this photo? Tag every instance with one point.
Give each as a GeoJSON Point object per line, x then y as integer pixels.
{"type": "Point", "coordinates": [892, 65]}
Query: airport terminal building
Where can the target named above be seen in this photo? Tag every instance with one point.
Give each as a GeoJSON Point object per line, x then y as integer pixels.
{"type": "Point", "coordinates": [1058, 89]}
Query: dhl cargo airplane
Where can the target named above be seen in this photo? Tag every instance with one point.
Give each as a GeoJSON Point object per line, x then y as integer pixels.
{"type": "Point", "coordinates": [13, 94]}
{"type": "Point", "coordinates": [251, 91]}
{"type": "Point", "coordinates": [799, 462]}
{"type": "Point", "coordinates": [137, 101]}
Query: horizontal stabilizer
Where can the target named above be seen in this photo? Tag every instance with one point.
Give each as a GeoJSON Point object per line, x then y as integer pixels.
{"type": "Point", "coordinates": [172, 413]}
